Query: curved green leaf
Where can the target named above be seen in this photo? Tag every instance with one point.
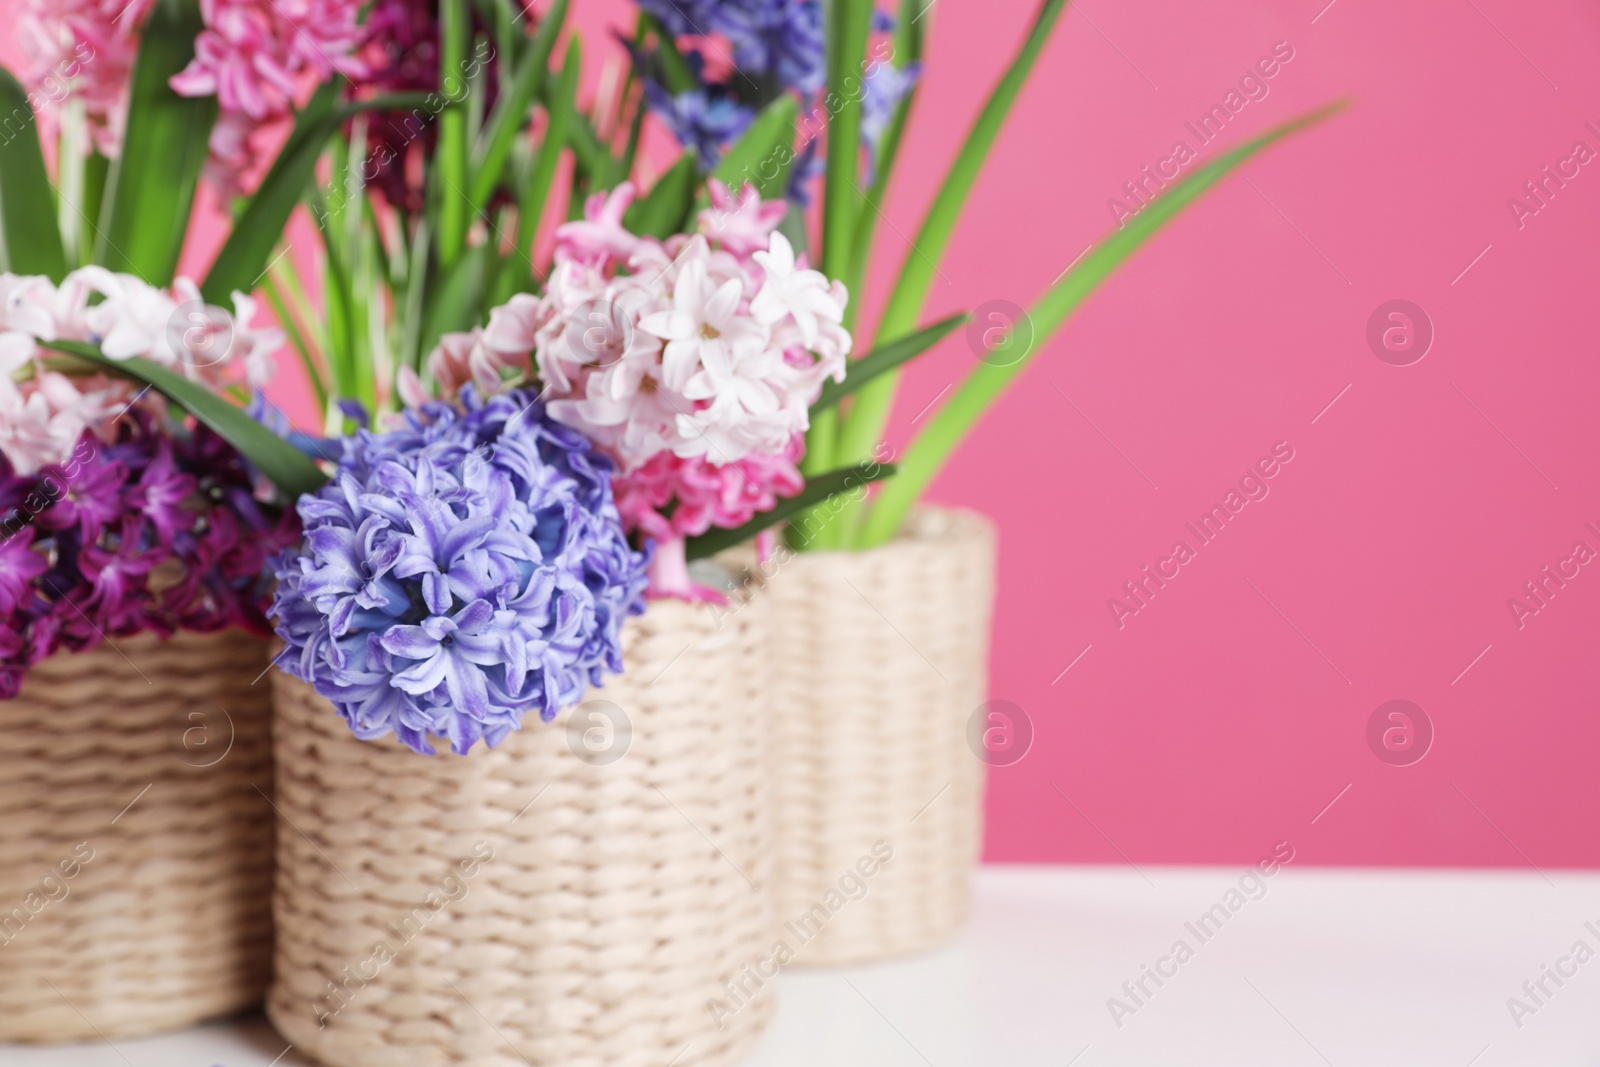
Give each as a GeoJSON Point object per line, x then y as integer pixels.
{"type": "Point", "coordinates": [283, 464]}
{"type": "Point", "coordinates": [885, 359]}
{"type": "Point", "coordinates": [871, 413]}
{"type": "Point", "coordinates": [30, 242]}
{"type": "Point", "coordinates": [908, 38]}
{"type": "Point", "coordinates": [987, 380]}
{"type": "Point", "coordinates": [817, 489]}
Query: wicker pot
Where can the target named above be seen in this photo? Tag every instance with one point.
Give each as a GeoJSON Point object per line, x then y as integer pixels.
{"type": "Point", "coordinates": [571, 898]}
{"type": "Point", "coordinates": [135, 839]}
{"type": "Point", "coordinates": [880, 660]}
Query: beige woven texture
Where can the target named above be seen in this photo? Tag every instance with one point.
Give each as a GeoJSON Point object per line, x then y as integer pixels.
{"type": "Point", "coordinates": [618, 898]}
{"type": "Point", "coordinates": [135, 849]}
{"type": "Point", "coordinates": [880, 659]}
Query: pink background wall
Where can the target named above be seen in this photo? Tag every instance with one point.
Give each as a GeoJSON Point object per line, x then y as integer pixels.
{"type": "Point", "coordinates": [1230, 711]}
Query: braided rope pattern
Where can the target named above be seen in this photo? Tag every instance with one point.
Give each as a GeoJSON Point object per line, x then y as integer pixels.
{"type": "Point", "coordinates": [135, 847]}
{"type": "Point", "coordinates": [535, 908]}
{"type": "Point", "coordinates": [881, 658]}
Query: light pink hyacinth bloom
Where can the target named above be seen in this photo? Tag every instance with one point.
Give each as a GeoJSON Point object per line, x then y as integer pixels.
{"type": "Point", "coordinates": [43, 412]}
{"type": "Point", "coordinates": [82, 50]}
{"type": "Point", "coordinates": [741, 223]}
{"type": "Point", "coordinates": [692, 362]}
{"type": "Point", "coordinates": [260, 59]}
{"type": "Point", "coordinates": [666, 350]}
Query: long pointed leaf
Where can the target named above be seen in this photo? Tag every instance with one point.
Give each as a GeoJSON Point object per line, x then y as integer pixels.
{"type": "Point", "coordinates": [450, 153]}
{"type": "Point", "coordinates": [885, 359]}
{"type": "Point", "coordinates": [871, 412]}
{"type": "Point", "coordinates": [31, 240]}
{"type": "Point", "coordinates": [150, 192]}
{"type": "Point", "coordinates": [909, 30]}
{"type": "Point", "coordinates": [849, 25]}
{"type": "Point", "coordinates": [511, 110]}
{"type": "Point", "coordinates": [283, 464]}
{"type": "Point", "coordinates": [817, 490]}
{"type": "Point", "coordinates": [243, 257]}
{"type": "Point", "coordinates": [986, 381]}
{"type": "Point", "coordinates": [457, 301]}
{"type": "Point", "coordinates": [561, 107]}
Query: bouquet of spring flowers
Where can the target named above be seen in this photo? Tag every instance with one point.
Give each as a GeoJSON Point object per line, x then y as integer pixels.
{"type": "Point", "coordinates": [650, 385]}
{"type": "Point", "coordinates": [685, 340]}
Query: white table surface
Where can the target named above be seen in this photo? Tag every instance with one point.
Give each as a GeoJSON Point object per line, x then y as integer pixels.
{"type": "Point", "coordinates": [1365, 968]}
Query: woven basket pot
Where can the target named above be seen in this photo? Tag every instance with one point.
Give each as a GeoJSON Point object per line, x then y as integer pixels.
{"type": "Point", "coordinates": [577, 896]}
{"type": "Point", "coordinates": [135, 838]}
{"type": "Point", "coordinates": [879, 662]}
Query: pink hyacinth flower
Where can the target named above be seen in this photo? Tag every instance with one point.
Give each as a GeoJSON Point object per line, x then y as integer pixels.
{"type": "Point", "coordinates": [599, 238]}
{"type": "Point", "coordinates": [742, 222]}
{"type": "Point", "coordinates": [261, 59]}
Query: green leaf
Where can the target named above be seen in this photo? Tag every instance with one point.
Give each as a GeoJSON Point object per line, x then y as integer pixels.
{"type": "Point", "coordinates": [769, 142]}
{"type": "Point", "coordinates": [871, 412]}
{"type": "Point", "coordinates": [31, 240]}
{"type": "Point", "coordinates": [412, 304]}
{"type": "Point", "coordinates": [96, 171]}
{"type": "Point", "coordinates": [945, 431]}
{"type": "Point", "coordinates": [297, 338]}
{"type": "Point", "coordinates": [909, 29]}
{"type": "Point", "coordinates": [885, 359]}
{"type": "Point", "coordinates": [849, 26]}
{"type": "Point", "coordinates": [561, 106]}
{"type": "Point", "coordinates": [244, 256]}
{"type": "Point", "coordinates": [818, 489]}
{"type": "Point", "coordinates": [450, 153]}
{"type": "Point", "coordinates": [593, 155]}
{"type": "Point", "coordinates": [630, 148]}
{"type": "Point", "coordinates": [662, 211]}
{"type": "Point", "coordinates": [283, 464]}
{"type": "Point", "coordinates": [457, 303]}
{"type": "Point", "coordinates": [511, 110]}
{"type": "Point", "coordinates": [150, 191]}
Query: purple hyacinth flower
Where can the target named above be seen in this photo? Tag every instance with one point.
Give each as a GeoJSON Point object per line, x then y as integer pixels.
{"type": "Point", "coordinates": [457, 573]}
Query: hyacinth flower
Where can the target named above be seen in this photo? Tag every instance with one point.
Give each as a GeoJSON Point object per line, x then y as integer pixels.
{"type": "Point", "coordinates": [141, 98]}
{"type": "Point", "coordinates": [692, 362]}
{"type": "Point", "coordinates": [759, 50]}
{"type": "Point", "coordinates": [258, 59]}
{"type": "Point", "coordinates": [871, 67]}
{"type": "Point", "coordinates": [458, 573]}
{"type": "Point", "coordinates": [47, 403]}
{"type": "Point", "coordinates": [139, 528]}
